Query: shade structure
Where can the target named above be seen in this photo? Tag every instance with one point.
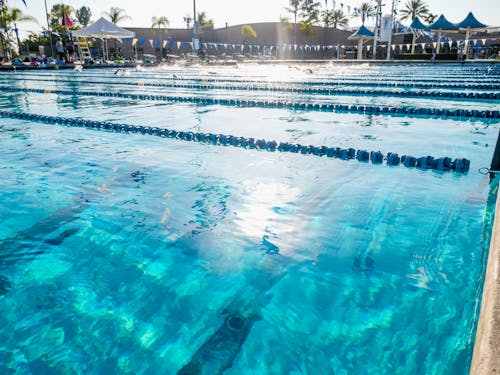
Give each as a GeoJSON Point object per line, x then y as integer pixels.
{"type": "Point", "coordinates": [471, 25]}
{"type": "Point", "coordinates": [362, 32]}
{"type": "Point", "coordinates": [416, 25]}
{"type": "Point", "coordinates": [471, 22]}
{"type": "Point", "coordinates": [442, 25]}
{"type": "Point", "coordinates": [102, 28]}
{"type": "Point", "coordinates": [361, 35]}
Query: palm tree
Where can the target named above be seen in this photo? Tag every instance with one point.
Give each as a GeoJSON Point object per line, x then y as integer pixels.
{"type": "Point", "coordinates": [161, 23]}
{"type": "Point", "coordinates": [204, 22]}
{"type": "Point", "coordinates": [413, 9]}
{"type": "Point", "coordinates": [116, 15]}
{"type": "Point", "coordinates": [365, 9]}
{"type": "Point", "coordinates": [13, 16]}
{"type": "Point", "coordinates": [334, 18]}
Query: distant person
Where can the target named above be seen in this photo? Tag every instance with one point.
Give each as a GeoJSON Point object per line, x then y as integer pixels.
{"type": "Point", "coordinates": [433, 58]}
{"type": "Point", "coordinates": [60, 49]}
{"type": "Point", "coordinates": [70, 48]}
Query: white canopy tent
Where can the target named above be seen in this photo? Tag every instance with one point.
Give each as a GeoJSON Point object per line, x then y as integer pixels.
{"type": "Point", "coordinates": [103, 29]}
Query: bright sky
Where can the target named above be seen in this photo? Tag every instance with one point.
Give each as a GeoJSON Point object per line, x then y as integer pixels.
{"type": "Point", "coordinates": [240, 12]}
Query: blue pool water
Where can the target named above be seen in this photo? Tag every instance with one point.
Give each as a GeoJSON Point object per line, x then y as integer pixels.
{"type": "Point", "coordinates": [132, 254]}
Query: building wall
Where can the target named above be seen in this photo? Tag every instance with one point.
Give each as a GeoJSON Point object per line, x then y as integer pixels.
{"type": "Point", "coordinates": [268, 34]}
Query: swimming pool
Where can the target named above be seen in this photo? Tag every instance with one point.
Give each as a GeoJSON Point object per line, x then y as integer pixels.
{"type": "Point", "coordinates": [126, 253]}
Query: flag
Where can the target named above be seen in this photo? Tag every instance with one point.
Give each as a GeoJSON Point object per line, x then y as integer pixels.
{"type": "Point", "coordinates": [66, 21]}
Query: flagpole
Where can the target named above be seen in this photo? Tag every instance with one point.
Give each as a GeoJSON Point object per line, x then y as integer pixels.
{"type": "Point", "coordinates": [377, 22]}
{"type": "Point", "coordinates": [48, 30]}
{"type": "Point", "coordinates": [195, 29]}
{"type": "Point", "coordinates": [389, 42]}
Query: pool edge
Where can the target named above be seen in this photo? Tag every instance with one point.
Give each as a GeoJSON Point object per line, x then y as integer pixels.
{"type": "Point", "coordinates": [486, 354]}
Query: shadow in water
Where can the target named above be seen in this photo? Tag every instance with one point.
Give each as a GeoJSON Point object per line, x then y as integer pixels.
{"type": "Point", "coordinates": [219, 352]}
{"type": "Point", "coordinates": [29, 243]}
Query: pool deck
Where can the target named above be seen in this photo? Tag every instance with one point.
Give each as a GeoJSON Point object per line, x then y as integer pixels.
{"type": "Point", "coordinates": [486, 357]}
{"type": "Point", "coordinates": [231, 62]}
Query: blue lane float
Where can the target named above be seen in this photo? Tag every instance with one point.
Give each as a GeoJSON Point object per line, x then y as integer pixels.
{"type": "Point", "coordinates": [301, 90]}
{"type": "Point", "coordinates": [325, 107]}
{"type": "Point", "coordinates": [341, 81]}
{"type": "Point", "coordinates": [444, 164]}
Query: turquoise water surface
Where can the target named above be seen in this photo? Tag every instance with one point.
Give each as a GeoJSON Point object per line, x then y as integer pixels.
{"type": "Point", "coordinates": [131, 254]}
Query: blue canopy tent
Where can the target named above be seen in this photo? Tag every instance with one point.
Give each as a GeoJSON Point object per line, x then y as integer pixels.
{"type": "Point", "coordinates": [442, 25]}
{"type": "Point", "coordinates": [470, 25]}
{"type": "Point", "coordinates": [361, 35]}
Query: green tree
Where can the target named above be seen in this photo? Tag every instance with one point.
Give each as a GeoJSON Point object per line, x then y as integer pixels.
{"type": "Point", "coordinates": [34, 40]}
{"type": "Point", "coordinates": [248, 32]}
{"type": "Point", "coordinates": [204, 22]}
{"type": "Point", "coordinates": [310, 10]}
{"type": "Point", "coordinates": [285, 23]}
{"type": "Point", "coordinates": [83, 15]}
{"type": "Point", "coordinates": [413, 9]}
{"type": "Point", "coordinates": [334, 17]}
{"type": "Point", "coordinates": [11, 16]}
{"type": "Point", "coordinates": [116, 15]}
{"type": "Point", "coordinates": [56, 14]}
{"type": "Point", "coordinates": [306, 27]}
{"type": "Point", "coordinates": [160, 23]}
{"type": "Point", "coordinates": [365, 10]}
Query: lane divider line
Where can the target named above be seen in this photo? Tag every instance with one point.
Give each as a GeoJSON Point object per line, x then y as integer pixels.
{"type": "Point", "coordinates": [443, 164]}
{"type": "Point", "coordinates": [282, 104]}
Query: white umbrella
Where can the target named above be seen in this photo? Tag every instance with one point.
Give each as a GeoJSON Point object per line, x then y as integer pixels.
{"type": "Point", "coordinates": [103, 29]}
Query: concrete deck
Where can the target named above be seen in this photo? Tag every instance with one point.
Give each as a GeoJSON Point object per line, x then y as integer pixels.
{"type": "Point", "coordinates": [62, 66]}
{"type": "Point", "coordinates": [486, 357]}
{"type": "Point", "coordinates": [231, 62]}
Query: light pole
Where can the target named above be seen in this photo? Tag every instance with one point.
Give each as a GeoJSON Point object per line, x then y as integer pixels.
{"type": "Point", "coordinates": [196, 40]}
{"type": "Point", "coordinates": [48, 30]}
{"type": "Point", "coordinates": [377, 28]}
{"type": "Point", "coordinates": [393, 10]}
